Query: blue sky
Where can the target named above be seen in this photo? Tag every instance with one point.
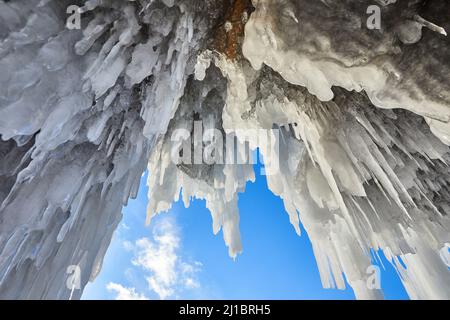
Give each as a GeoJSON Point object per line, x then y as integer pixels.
{"type": "Point", "coordinates": [179, 257]}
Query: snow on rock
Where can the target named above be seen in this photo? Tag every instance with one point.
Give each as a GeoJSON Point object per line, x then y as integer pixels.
{"type": "Point", "coordinates": [357, 120]}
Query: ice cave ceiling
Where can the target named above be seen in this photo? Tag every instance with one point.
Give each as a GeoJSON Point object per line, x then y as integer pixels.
{"type": "Point", "coordinates": [364, 115]}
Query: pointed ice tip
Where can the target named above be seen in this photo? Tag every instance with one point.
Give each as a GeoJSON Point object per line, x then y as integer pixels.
{"type": "Point", "coordinates": [430, 25]}
{"type": "Point", "coordinates": [148, 219]}
{"type": "Point", "coordinates": [441, 31]}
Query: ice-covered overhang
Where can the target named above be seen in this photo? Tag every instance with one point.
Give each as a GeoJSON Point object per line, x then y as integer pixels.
{"type": "Point", "coordinates": [357, 92]}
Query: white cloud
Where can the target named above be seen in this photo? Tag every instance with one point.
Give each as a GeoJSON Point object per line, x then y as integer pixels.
{"type": "Point", "coordinates": [166, 271]}
{"type": "Point", "coordinates": [191, 283]}
{"type": "Point", "coordinates": [123, 293]}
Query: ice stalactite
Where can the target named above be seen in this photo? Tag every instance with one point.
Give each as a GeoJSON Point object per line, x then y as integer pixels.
{"type": "Point", "coordinates": [363, 117]}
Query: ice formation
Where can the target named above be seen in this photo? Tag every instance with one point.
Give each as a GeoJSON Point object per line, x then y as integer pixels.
{"type": "Point", "coordinates": [364, 117]}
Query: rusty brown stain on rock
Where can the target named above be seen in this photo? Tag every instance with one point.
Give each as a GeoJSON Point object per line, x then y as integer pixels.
{"type": "Point", "coordinates": [229, 42]}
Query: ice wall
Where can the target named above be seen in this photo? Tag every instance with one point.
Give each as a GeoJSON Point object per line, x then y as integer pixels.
{"type": "Point", "coordinates": [363, 116]}
{"type": "Point", "coordinates": [80, 113]}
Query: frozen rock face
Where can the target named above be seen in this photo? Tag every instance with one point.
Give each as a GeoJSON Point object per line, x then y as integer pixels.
{"type": "Point", "coordinates": [362, 115]}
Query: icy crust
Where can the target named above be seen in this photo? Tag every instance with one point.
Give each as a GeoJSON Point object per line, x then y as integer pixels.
{"type": "Point", "coordinates": [362, 178]}
{"type": "Point", "coordinates": [80, 113]}
{"type": "Point", "coordinates": [321, 44]}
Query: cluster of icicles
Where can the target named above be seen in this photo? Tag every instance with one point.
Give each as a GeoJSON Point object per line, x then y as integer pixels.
{"type": "Point", "coordinates": [364, 120]}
